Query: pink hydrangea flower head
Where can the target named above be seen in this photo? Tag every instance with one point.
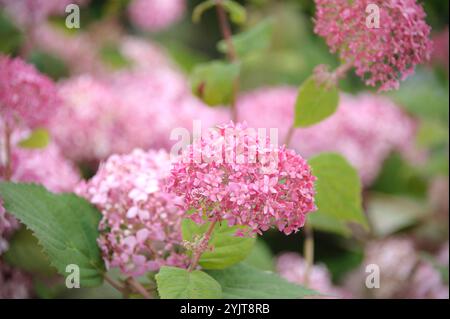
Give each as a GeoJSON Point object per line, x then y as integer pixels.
{"type": "Point", "coordinates": [232, 173]}
{"type": "Point", "coordinates": [365, 129]}
{"type": "Point", "coordinates": [141, 224]}
{"type": "Point", "coordinates": [14, 283]}
{"type": "Point", "coordinates": [155, 15]}
{"type": "Point", "coordinates": [27, 97]}
{"type": "Point", "coordinates": [427, 283]}
{"type": "Point", "coordinates": [382, 55]}
{"type": "Point", "coordinates": [292, 267]}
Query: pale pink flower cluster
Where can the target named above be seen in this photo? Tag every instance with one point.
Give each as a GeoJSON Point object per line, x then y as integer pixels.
{"type": "Point", "coordinates": [27, 97]}
{"type": "Point", "coordinates": [232, 174]}
{"type": "Point", "coordinates": [293, 267]}
{"type": "Point", "coordinates": [381, 56]}
{"type": "Point", "coordinates": [365, 129]}
{"type": "Point", "coordinates": [155, 15]}
{"type": "Point", "coordinates": [131, 109]}
{"type": "Point", "coordinates": [14, 284]}
{"type": "Point", "coordinates": [144, 55]}
{"type": "Point", "coordinates": [141, 224]}
{"type": "Point", "coordinates": [44, 166]}
{"type": "Point", "coordinates": [403, 272]}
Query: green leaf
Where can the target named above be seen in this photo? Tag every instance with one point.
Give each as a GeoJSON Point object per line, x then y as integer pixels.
{"type": "Point", "coordinates": [39, 138]}
{"type": "Point", "coordinates": [25, 253]}
{"type": "Point", "coordinates": [261, 256]}
{"type": "Point", "coordinates": [213, 82]}
{"type": "Point", "coordinates": [424, 88]}
{"type": "Point", "coordinates": [10, 35]}
{"type": "Point", "coordinates": [112, 56]}
{"type": "Point", "coordinates": [65, 225]}
{"type": "Point", "coordinates": [329, 224]}
{"type": "Point", "coordinates": [237, 12]}
{"type": "Point", "coordinates": [245, 282]}
{"type": "Point", "coordinates": [227, 249]}
{"type": "Point", "coordinates": [315, 102]}
{"type": "Point", "coordinates": [202, 8]}
{"type": "Point", "coordinates": [255, 39]}
{"type": "Point", "coordinates": [177, 283]}
{"type": "Point", "coordinates": [338, 191]}
{"type": "Point", "coordinates": [49, 64]}
{"type": "Point", "coordinates": [389, 214]}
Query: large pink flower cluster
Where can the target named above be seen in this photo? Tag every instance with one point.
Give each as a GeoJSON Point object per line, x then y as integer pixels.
{"type": "Point", "coordinates": [403, 273]}
{"type": "Point", "coordinates": [27, 97]}
{"type": "Point", "coordinates": [155, 15]}
{"type": "Point", "coordinates": [293, 267]}
{"type": "Point", "coordinates": [233, 174]}
{"type": "Point", "coordinates": [14, 284]}
{"type": "Point", "coordinates": [383, 54]}
{"type": "Point", "coordinates": [141, 224]}
{"type": "Point", "coordinates": [365, 128]}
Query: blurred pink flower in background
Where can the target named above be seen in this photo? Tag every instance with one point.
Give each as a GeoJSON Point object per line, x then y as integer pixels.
{"type": "Point", "coordinates": [292, 267]}
{"type": "Point", "coordinates": [155, 15]}
{"type": "Point", "coordinates": [365, 129]}
{"type": "Point", "coordinates": [275, 190]}
{"type": "Point", "coordinates": [27, 97]}
{"type": "Point", "coordinates": [404, 273]}
{"type": "Point", "coordinates": [14, 284]}
{"type": "Point", "coordinates": [381, 56]}
{"type": "Point", "coordinates": [141, 224]}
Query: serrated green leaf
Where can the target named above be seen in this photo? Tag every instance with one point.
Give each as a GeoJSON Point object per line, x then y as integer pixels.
{"type": "Point", "coordinates": [255, 39]}
{"type": "Point", "coordinates": [213, 82]}
{"type": "Point", "coordinates": [177, 283]}
{"type": "Point", "coordinates": [25, 253]}
{"type": "Point", "coordinates": [245, 282]}
{"type": "Point", "coordinates": [227, 249]}
{"type": "Point", "coordinates": [315, 102]}
{"type": "Point", "coordinates": [64, 224]}
{"type": "Point", "coordinates": [39, 138]}
{"type": "Point", "coordinates": [338, 190]}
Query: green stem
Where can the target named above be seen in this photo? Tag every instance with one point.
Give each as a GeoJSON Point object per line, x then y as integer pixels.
{"type": "Point", "coordinates": [231, 54]}
{"type": "Point", "coordinates": [308, 251]}
{"type": "Point", "coordinates": [202, 247]}
{"type": "Point", "coordinates": [7, 141]}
